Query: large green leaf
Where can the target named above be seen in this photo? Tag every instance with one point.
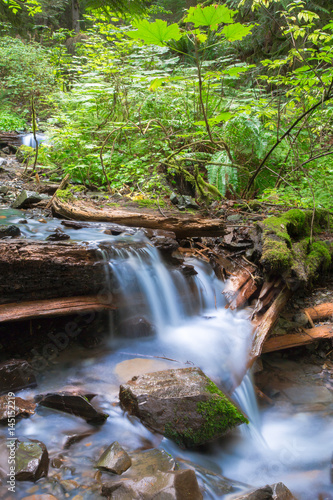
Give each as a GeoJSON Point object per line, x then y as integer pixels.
{"type": "Point", "coordinates": [236, 31]}
{"type": "Point", "coordinates": [211, 16]}
{"type": "Point", "coordinates": [157, 33]}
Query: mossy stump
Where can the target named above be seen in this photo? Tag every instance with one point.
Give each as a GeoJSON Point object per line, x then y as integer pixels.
{"type": "Point", "coordinates": [184, 405]}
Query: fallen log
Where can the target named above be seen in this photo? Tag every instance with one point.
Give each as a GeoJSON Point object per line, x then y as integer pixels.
{"type": "Point", "coordinates": [36, 270]}
{"type": "Point", "coordinates": [264, 325]}
{"type": "Point", "coordinates": [183, 226]}
{"type": "Point", "coordinates": [53, 308]}
{"type": "Point", "coordinates": [298, 339]}
{"type": "Point", "coordinates": [319, 312]}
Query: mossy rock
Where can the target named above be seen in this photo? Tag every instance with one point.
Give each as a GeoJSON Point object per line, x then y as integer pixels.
{"type": "Point", "coordinates": [286, 245]}
{"type": "Point", "coordinates": [184, 405]}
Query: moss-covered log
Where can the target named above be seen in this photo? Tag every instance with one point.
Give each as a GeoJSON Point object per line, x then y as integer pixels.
{"type": "Point", "coordinates": [287, 248]}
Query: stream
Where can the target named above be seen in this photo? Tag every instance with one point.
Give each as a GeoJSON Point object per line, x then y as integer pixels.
{"type": "Point", "coordinates": [291, 442]}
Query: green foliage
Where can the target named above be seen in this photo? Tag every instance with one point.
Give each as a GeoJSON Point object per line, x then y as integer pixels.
{"type": "Point", "coordinates": [25, 70]}
{"type": "Point", "coordinates": [10, 121]}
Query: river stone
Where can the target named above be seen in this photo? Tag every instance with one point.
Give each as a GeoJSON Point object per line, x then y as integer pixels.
{"type": "Point", "coordinates": [32, 460]}
{"type": "Point", "coordinates": [9, 231]}
{"type": "Point", "coordinates": [16, 374]}
{"type": "Point", "coordinates": [22, 408]}
{"type": "Point", "coordinates": [277, 491]}
{"type": "Point", "coordinates": [114, 459]}
{"type": "Point", "coordinates": [183, 404]}
{"type": "Point", "coordinates": [179, 485]}
{"type": "Point", "coordinates": [26, 198]}
{"type": "Point", "coordinates": [43, 496]}
{"type": "Point", "coordinates": [76, 404]}
{"type": "Point", "coordinates": [147, 463]}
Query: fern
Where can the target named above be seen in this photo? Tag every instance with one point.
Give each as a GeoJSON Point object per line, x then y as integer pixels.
{"type": "Point", "coordinates": [221, 173]}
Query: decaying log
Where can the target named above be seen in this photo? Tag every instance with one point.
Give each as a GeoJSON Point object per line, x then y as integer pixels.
{"type": "Point", "coordinates": [298, 339]}
{"type": "Point", "coordinates": [53, 307]}
{"type": "Point", "coordinates": [182, 226]}
{"type": "Point", "coordinates": [236, 282]}
{"type": "Point", "coordinates": [265, 324]}
{"type": "Point", "coordinates": [319, 312]}
{"type": "Point", "coordinates": [244, 294]}
{"type": "Point", "coordinates": [10, 139]}
{"type": "Point", "coordinates": [36, 270]}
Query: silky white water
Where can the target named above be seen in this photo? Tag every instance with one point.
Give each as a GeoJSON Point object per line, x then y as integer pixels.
{"type": "Point", "coordinates": [190, 327]}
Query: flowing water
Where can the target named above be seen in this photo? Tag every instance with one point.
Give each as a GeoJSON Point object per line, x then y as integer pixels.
{"type": "Point", "coordinates": [189, 326]}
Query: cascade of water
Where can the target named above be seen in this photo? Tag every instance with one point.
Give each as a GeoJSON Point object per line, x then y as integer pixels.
{"type": "Point", "coordinates": [29, 139]}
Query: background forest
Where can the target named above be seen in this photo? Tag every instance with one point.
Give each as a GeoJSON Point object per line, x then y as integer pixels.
{"type": "Point", "coordinates": [229, 99]}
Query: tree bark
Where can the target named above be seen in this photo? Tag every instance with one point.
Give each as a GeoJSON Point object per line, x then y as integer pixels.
{"type": "Point", "coordinates": [76, 16]}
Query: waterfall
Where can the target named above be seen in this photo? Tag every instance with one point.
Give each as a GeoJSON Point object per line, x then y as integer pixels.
{"type": "Point", "coordinates": [29, 139]}
{"type": "Point", "coordinates": [188, 315]}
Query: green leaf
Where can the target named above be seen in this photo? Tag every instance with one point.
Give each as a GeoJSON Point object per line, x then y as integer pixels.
{"type": "Point", "coordinates": [211, 16]}
{"type": "Point", "coordinates": [157, 33]}
{"type": "Point", "coordinates": [236, 32]}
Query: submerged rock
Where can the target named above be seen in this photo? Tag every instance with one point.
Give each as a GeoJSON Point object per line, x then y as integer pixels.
{"type": "Point", "coordinates": [22, 408]}
{"type": "Point", "coordinates": [184, 405]}
{"type": "Point", "coordinates": [277, 491]}
{"type": "Point", "coordinates": [76, 404]}
{"type": "Point", "coordinates": [16, 374]}
{"type": "Point", "coordinates": [146, 463]}
{"type": "Point", "coordinates": [9, 231]}
{"type": "Point", "coordinates": [114, 459]}
{"type": "Point", "coordinates": [26, 198]}
{"type": "Point", "coordinates": [179, 485]}
{"type": "Point", "coordinates": [32, 460]}
{"type": "Point", "coordinates": [136, 327]}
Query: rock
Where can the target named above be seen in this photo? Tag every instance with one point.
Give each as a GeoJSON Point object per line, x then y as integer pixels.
{"type": "Point", "coordinates": [277, 491]}
{"type": "Point", "coordinates": [77, 436]}
{"type": "Point", "coordinates": [164, 243]}
{"type": "Point", "coordinates": [146, 463]}
{"type": "Point", "coordinates": [26, 198]}
{"type": "Point", "coordinates": [234, 218]}
{"type": "Point", "coordinates": [174, 199]}
{"type": "Point", "coordinates": [16, 374]}
{"type": "Point", "coordinates": [4, 189]}
{"type": "Point", "coordinates": [190, 202]}
{"type": "Point", "coordinates": [76, 404]}
{"type": "Point", "coordinates": [40, 497]}
{"type": "Point", "coordinates": [136, 327]}
{"type": "Point", "coordinates": [179, 485]}
{"type": "Point", "coordinates": [22, 408]}
{"type": "Point", "coordinates": [183, 404]}
{"type": "Point", "coordinates": [9, 231]}
{"type": "Point", "coordinates": [114, 459]}
{"type": "Point", "coordinates": [32, 460]}
{"type": "Point", "coordinates": [58, 235]}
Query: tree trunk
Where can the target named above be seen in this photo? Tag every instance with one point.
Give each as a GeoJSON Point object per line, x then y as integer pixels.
{"type": "Point", "coordinates": [76, 16]}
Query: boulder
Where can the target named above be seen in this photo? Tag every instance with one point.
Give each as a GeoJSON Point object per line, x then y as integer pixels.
{"type": "Point", "coordinates": [183, 404]}
{"type": "Point", "coordinates": [114, 459]}
{"type": "Point", "coordinates": [22, 408]}
{"type": "Point", "coordinates": [16, 374]}
{"type": "Point", "coordinates": [76, 404]}
{"type": "Point", "coordinates": [26, 198]}
{"type": "Point", "coordinates": [277, 491]}
{"type": "Point", "coordinates": [9, 231]}
{"type": "Point", "coordinates": [32, 460]}
{"type": "Point", "coordinates": [179, 485]}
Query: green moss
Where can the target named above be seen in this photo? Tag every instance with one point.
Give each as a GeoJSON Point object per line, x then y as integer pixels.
{"type": "Point", "coordinates": [276, 255]}
{"type": "Point", "coordinates": [318, 258]}
{"type": "Point", "coordinates": [219, 416]}
{"type": "Point", "coordinates": [65, 194]}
